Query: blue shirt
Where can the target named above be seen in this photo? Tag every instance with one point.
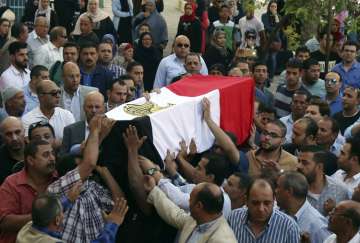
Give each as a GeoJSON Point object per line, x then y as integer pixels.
{"type": "Point", "coordinates": [336, 105]}
{"type": "Point", "coordinates": [31, 99]}
{"type": "Point", "coordinates": [350, 77]}
{"type": "Point", "coordinates": [280, 228]}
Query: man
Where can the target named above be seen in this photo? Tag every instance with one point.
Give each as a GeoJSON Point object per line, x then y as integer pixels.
{"type": "Point", "coordinates": [349, 68]}
{"type": "Point", "coordinates": [350, 113]}
{"type": "Point", "coordinates": [259, 221]}
{"type": "Point", "coordinates": [333, 85]}
{"type": "Point", "coordinates": [130, 87]}
{"type": "Point", "coordinates": [17, 75]}
{"type": "Point", "coordinates": [311, 78]}
{"type": "Point", "coordinates": [173, 65]}
{"type": "Point", "coordinates": [12, 150]}
{"type": "Point", "coordinates": [264, 115]}
{"type": "Point", "coordinates": [72, 93]}
{"type": "Point", "coordinates": [192, 66]}
{"type": "Point", "coordinates": [206, 202]}
{"type": "Point", "coordinates": [302, 53]}
{"type": "Point", "coordinates": [92, 74]}
{"type": "Point", "coordinates": [4, 31]}
{"type": "Point", "coordinates": [14, 103]}
{"type": "Point", "coordinates": [327, 136]}
{"type": "Point", "coordinates": [270, 153]}
{"type": "Point", "coordinates": [261, 75]}
{"type": "Point", "coordinates": [236, 186]}
{"type": "Point", "coordinates": [52, 51]}
{"type": "Point", "coordinates": [106, 58]}
{"type": "Point", "coordinates": [317, 109]}
{"type": "Point", "coordinates": [38, 37]}
{"type": "Point", "coordinates": [86, 32]}
{"type": "Point", "coordinates": [70, 54]}
{"type": "Point", "coordinates": [76, 133]}
{"type": "Point", "coordinates": [49, 96]}
{"type": "Point", "coordinates": [324, 191]}
{"type": "Point", "coordinates": [345, 222]}
{"type": "Point", "coordinates": [299, 103]}
{"type": "Point", "coordinates": [37, 74]}
{"type": "Point", "coordinates": [136, 71]}
{"type": "Point", "coordinates": [291, 192]}
{"type": "Point", "coordinates": [117, 95]}
{"type": "Point", "coordinates": [349, 163]}
{"type": "Point", "coordinates": [43, 131]}
{"type": "Point", "coordinates": [284, 92]}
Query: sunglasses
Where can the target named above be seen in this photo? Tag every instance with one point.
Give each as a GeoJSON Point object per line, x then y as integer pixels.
{"type": "Point", "coordinates": [182, 45]}
{"type": "Point", "coordinates": [39, 124]}
{"type": "Point", "coordinates": [151, 171]}
{"type": "Point", "coordinates": [251, 37]}
{"type": "Point", "coordinates": [52, 93]}
{"type": "Point", "coordinates": [330, 81]}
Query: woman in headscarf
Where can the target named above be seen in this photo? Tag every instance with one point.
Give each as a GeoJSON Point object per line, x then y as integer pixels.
{"type": "Point", "coordinates": [190, 26]}
{"type": "Point", "coordinates": [44, 10]}
{"type": "Point", "coordinates": [217, 52]}
{"type": "Point", "coordinates": [149, 56]}
{"type": "Point", "coordinates": [101, 20]}
{"type": "Point", "coordinates": [123, 13]}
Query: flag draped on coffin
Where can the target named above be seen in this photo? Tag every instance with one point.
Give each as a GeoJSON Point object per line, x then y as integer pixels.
{"type": "Point", "coordinates": [176, 113]}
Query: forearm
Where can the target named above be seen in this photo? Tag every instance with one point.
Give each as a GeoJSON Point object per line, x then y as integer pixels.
{"type": "Point", "coordinates": [13, 223]}
{"type": "Point", "coordinates": [186, 168]}
{"type": "Point", "coordinates": [91, 153]}
{"type": "Point", "coordinates": [113, 186]}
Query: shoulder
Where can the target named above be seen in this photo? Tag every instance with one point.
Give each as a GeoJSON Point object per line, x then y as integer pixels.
{"type": "Point", "coordinates": [280, 218]}
{"type": "Point", "coordinates": [75, 125]}
{"type": "Point", "coordinates": [87, 89]}
{"type": "Point", "coordinates": [238, 216]}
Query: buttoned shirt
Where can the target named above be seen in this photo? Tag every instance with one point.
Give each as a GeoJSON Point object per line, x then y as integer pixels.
{"type": "Point", "coordinates": [312, 222]}
{"type": "Point", "coordinates": [171, 67]}
{"type": "Point", "coordinates": [336, 147]}
{"type": "Point", "coordinates": [34, 43]}
{"type": "Point", "coordinates": [14, 78]}
{"type": "Point", "coordinates": [333, 239]}
{"type": "Point", "coordinates": [350, 77]}
{"type": "Point", "coordinates": [332, 190]}
{"type": "Point", "coordinates": [60, 119]}
{"type": "Point", "coordinates": [280, 228]}
{"type": "Point", "coordinates": [351, 182]}
{"type": "Point", "coordinates": [201, 229]}
{"type": "Point", "coordinates": [47, 55]}
{"type": "Point", "coordinates": [288, 122]}
{"type": "Point", "coordinates": [72, 103]}
{"type": "Point", "coordinates": [31, 99]}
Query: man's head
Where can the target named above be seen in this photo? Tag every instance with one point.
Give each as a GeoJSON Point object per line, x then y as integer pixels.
{"type": "Point", "coordinates": [48, 93]}
{"type": "Point", "coordinates": [236, 186]}
{"type": "Point", "coordinates": [41, 130]}
{"type": "Point", "coordinates": [12, 134]}
{"type": "Point", "coordinates": [349, 51]}
{"type": "Point", "coordinates": [20, 31]}
{"type": "Point", "coordinates": [243, 66]}
{"type": "Point", "coordinates": [322, 35]}
{"type": "Point", "coordinates": [136, 71]}
{"type": "Point", "coordinates": [71, 77]}
{"type": "Point", "coordinates": [206, 200]}
{"type": "Point", "coordinates": [181, 46]}
{"type": "Point", "coordinates": [332, 83]}
{"type": "Point", "coordinates": [150, 6]}
{"type": "Point", "coordinates": [86, 24]}
{"type": "Point", "coordinates": [58, 36]}
{"type": "Point", "coordinates": [351, 98]}
{"type": "Point", "coordinates": [71, 52]}
{"type": "Point", "coordinates": [260, 201]}
{"type": "Point", "coordinates": [273, 136]}
{"type": "Point", "coordinates": [349, 157]}
{"type": "Point", "coordinates": [345, 218]}
{"type": "Point", "coordinates": [105, 53]}
{"type": "Point", "coordinates": [93, 105]}
{"type": "Point", "coordinates": [293, 72]}
{"type": "Point", "coordinates": [299, 103]}
{"type": "Point", "coordinates": [192, 63]}
{"type": "Point", "coordinates": [4, 27]}
{"type": "Point", "coordinates": [38, 73]}
{"type": "Point", "coordinates": [235, 72]}
{"type": "Point", "coordinates": [39, 158]}
{"type": "Point", "coordinates": [311, 72]}
{"type": "Point", "coordinates": [304, 132]}
{"type": "Point", "coordinates": [260, 73]}
{"type": "Point", "coordinates": [88, 55]}
{"type": "Point", "coordinates": [291, 186]}
{"type": "Point", "coordinates": [224, 12]}
{"type": "Point", "coordinates": [47, 212]}
{"type": "Point", "coordinates": [211, 168]}
{"type": "Point", "coordinates": [265, 113]}
{"type": "Point", "coordinates": [317, 109]}
{"type": "Point", "coordinates": [130, 86]}
{"type": "Point", "coordinates": [18, 54]}
{"type": "Point", "coordinates": [117, 94]}
{"type": "Point", "coordinates": [302, 53]}
{"type": "Point", "coordinates": [14, 101]}
{"type": "Point", "coordinates": [41, 27]}
{"type": "Point", "coordinates": [328, 131]}
{"type": "Point", "coordinates": [309, 164]}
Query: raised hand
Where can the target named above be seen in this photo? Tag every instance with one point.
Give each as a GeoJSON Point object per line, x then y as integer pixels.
{"type": "Point", "coordinates": [106, 126]}
{"type": "Point", "coordinates": [149, 183]}
{"type": "Point", "coordinates": [170, 164]}
{"type": "Point", "coordinates": [206, 109]}
{"type": "Point", "coordinates": [131, 138]}
{"type": "Point", "coordinates": [183, 150]}
{"type": "Point", "coordinates": [118, 213]}
{"type": "Point", "coordinates": [192, 147]}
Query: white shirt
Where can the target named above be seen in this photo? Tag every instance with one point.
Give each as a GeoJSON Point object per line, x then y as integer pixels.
{"type": "Point", "coordinates": [171, 67]}
{"type": "Point", "coordinates": [332, 239]}
{"type": "Point", "coordinates": [288, 122]}
{"type": "Point", "coordinates": [351, 183]}
{"type": "Point", "coordinates": [247, 24]}
{"type": "Point", "coordinates": [34, 43]}
{"type": "Point", "coordinates": [72, 103]}
{"type": "Point", "coordinates": [47, 55]}
{"type": "Point", "coordinates": [60, 119]}
{"type": "Point", "coordinates": [15, 78]}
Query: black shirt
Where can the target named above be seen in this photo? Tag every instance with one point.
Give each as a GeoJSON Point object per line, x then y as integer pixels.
{"type": "Point", "coordinates": [6, 163]}
{"type": "Point", "coordinates": [345, 122]}
{"type": "Point", "coordinates": [320, 57]}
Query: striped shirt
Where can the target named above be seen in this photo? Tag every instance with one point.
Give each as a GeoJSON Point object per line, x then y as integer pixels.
{"type": "Point", "coordinates": [280, 228]}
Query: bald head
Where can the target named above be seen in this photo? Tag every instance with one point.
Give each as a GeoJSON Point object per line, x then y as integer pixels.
{"type": "Point", "coordinates": [260, 186]}
{"type": "Point", "coordinates": [345, 218]}
{"type": "Point", "coordinates": [332, 75]}
{"type": "Point", "coordinates": [12, 133]}
{"type": "Point", "coordinates": [71, 77]}
{"type": "Point", "coordinates": [93, 105]}
{"type": "Point", "coordinates": [44, 85]}
{"type": "Point", "coordinates": [10, 121]}
{"type": "Point", "coordinates": [181, 46]}
{"type": "Point", "coordinates": [210, 196]}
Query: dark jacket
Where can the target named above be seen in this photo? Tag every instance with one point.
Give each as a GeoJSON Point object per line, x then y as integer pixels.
{"type": "Point", "coordinates": [101, 79]}
{"type": "Point", "coordinates": [193, 31]}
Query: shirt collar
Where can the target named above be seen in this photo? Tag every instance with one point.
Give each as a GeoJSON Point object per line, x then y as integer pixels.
{"type": "Point", "coordinates": [301, 210]}
{"type": "Point", "coordinates": [47, 231]}
{"type": "Point", "coordinates": [355, 177]}
{"type": "Point", "coordinates": [202, 228]}
{"type": "Point", "coordinates": [22, 177]}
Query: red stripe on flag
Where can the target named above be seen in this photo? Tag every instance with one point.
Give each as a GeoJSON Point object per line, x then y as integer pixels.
{"type": "Point", "coordinates": [236, 99]}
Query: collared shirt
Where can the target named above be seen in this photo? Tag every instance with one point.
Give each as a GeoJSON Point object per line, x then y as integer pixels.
{"type": "Point", "coordinates": [348, 133]}
{"type": "Point", "coordinates": [16, 198]}
{"type": "Point", "coordinates": [181, 195]}
{"type": "Point", "coordinates": [332, 239]}
{"type": "Point", "coordinates": [83, 222]}
{"type": "Point", "coordinates": [288, 122]}
{"type": "Point", "coordinates": [72, 103]}
{"type": "Point", "coordinates": [200, 230]}
{"type": "Point", "coordinates": [116, 70]}
{"type": "Point", "coordinates": [14, 78]}
{"type": "Point", "coordinates": [60, 119]}
{"type": "Point", "coordinates": [335, 105]}
{"type": "Point", "coordinates": [47, 55]}
{"type": "Point", "coordinates": [351, 182]}
{"type": "Point", "coordinates": [332, 190]}
{"type": "Point", "coordinates": [34, 43]}
{"type": "Point", "coordinates": [336, 147]}
{"type": "Point", "coordinates": [317, 89]}
{"type": "Point", "coordinates": [311, 221]}
{"type": "Point", "coordinates": [87, 129]}
{"type": "Point", "coordinates": [280, 228]}
{"type": "Point", "coordinates": [31, 99]}
{"type": "Point", "coordinates": [171, 67]}
{"type": "Point", "coordinates": [350, 77]}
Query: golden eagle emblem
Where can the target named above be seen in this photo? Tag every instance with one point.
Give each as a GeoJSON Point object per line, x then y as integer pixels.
{"type": "Point", "coordinates": [144, 109]}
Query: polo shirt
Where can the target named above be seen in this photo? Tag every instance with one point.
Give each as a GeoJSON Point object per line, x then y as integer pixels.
{"type": "Point", "coordinates": [317, 89]}
{"type": "Point", "coordinates": [14, 78]}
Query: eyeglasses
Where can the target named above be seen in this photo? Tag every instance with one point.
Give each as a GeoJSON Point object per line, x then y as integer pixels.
{"type": "Point", "coordinates": [330, 81]}
{"type": "Point", "coordinates": [151, 171]}
{"type": "Point", "coordinates": [270, 134]}
{"type": "Point", "coordinates": [180, 45]}
{"type": "Point", "coordinates": [52, 93]}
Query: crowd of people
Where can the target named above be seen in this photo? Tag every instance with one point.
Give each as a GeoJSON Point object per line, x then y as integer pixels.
{"type": "Point", "coordinates": [62, 67]}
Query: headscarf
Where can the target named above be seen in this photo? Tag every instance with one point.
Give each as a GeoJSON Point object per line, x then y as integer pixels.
{"type": "Point", "coordinates": [43, 12]}
{"type": "Point", "coordinates": [192, 17]}
{"type": "Point", "coordinates": [223, 50]}
{"type": "Point", "coordinates": [114, 45]}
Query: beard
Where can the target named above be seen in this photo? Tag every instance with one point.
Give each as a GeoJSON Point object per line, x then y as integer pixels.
{"type": "Point", "coordinates": [311, 177]}
{"type": "Point", "coordinates": [22, 65]}
{"type": "Point", "coordinates": [268, 146]}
